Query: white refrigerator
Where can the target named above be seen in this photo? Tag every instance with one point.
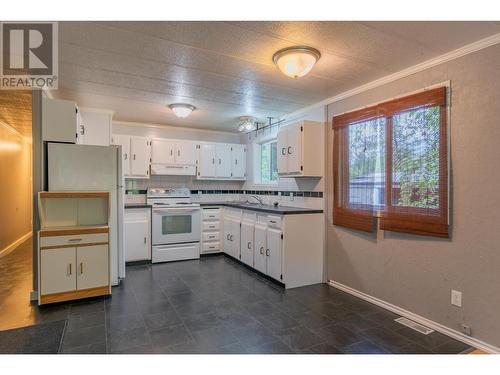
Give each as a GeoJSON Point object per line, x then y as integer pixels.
{"type": "Point", "coordinates": [92, 168]}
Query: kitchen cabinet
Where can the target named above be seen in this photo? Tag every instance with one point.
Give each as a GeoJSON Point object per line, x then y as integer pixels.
{"type": "Point", "coordinates": [92, 266]}
{"type": "Point", "coordinates": [137, 234]}
{"type": "Point", "coordinates": [163, 151]}
{"type": "Point", "coordinates": [60, 120]}
{"type": "Point", "coordinates": [58, 268]}
{"type": "Point", "coordinates": [210, 239]}
{"type": "Point", "coordinates": [140, 152]}
{"type": "Point", "coordinates": [206, 164]}
{"type": "Point", "coordinates": [95, 127]}
{"type": "Point", "coordinates": [73, 246]}
{"type": "Point", "coordinates": [232, 228]}
{"type": "Point", "coordinates": [238, 161]}
{"type": "Point", "coordinates": [287, 248]}
{"type": "Point", "coordinates": [221, 161]}
{"type": "Point", "coordinates": [124, 141]}
{"type": "Point", "coordinates": [173, 152]}
{"type": "Point", "coordinates": [247, 242]}
{"type": "Point", "coordinates": [301, 150]}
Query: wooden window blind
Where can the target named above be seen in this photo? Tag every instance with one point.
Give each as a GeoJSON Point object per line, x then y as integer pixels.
{"type": "Point", "coordinates": [392, 159]}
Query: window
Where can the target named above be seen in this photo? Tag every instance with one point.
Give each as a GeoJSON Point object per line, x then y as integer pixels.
{"type": "Point", "coordinates": [391, 159]}
{"type": "Point", "coordinates": [268, 163]}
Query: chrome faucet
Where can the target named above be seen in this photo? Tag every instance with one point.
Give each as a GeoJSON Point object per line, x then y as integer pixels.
{"type": "Point", "coordinates": [258, 199]}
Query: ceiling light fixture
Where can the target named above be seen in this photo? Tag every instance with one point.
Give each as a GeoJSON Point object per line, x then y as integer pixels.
{"type": "Point", "coordinates": [247, 124]}
{"type": "Point", "coordinates": [182, 110]}
{"type": "Point", "coordinates": [296, 61]}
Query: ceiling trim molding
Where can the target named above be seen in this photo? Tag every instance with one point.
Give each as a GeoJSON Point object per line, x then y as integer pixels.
{"type": "Point", "coordinates": [173, 127]}
{"type": "Point", "coordinates": [449, 56]}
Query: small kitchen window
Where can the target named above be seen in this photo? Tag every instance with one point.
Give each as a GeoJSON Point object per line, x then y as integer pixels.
{"type": "Point", "coordinates": [268, 163]}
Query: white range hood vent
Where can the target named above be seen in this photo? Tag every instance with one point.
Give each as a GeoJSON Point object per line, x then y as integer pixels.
{"type": "Point", "coordinates": [173, 170]}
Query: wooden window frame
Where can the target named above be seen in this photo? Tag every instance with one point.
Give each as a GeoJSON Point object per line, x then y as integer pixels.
{"type": "Point", "coordinates": [393, 218]}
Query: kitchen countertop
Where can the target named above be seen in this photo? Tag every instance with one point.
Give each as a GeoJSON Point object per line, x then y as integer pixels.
{"type": "Point", "coordinates": [279, 210]}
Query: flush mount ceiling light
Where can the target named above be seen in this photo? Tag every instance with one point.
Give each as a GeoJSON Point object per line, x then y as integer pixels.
{"type": "Point", "coordinates": [296, 61]}
{"type": "Point", "coordinates": [182, 110]}
{"type": "Point", "coordinates": [246, 124]}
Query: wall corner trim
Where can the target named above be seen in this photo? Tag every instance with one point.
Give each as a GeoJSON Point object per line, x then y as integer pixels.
{"type": "Point", "coordinates": [448, 56]}
{"type": "Point", "coordinates": [15, 244]}
{"type": "Point", "coordinates": [418, 318]}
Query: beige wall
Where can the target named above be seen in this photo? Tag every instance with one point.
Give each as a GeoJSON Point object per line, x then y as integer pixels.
{"type": "Point", "coordinates": [15, 186]}
{"type": "Point", "coordinates": [418, 273]}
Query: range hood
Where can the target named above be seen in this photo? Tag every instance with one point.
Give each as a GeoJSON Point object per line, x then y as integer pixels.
{"type": "Point", "coordinates": [173, 170]}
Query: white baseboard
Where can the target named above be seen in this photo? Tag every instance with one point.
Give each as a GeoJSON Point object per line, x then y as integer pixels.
{"type": "Point", "coordinates": [417, 318]}
{"type": "Point", "coordinates": [15, 244]}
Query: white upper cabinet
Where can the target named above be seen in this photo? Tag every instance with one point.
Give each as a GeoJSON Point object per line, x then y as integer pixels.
{"type": "Point", "coordinates": [162, 151]}
{"type": "Point", "coordinates": [206, 165]}
{"type": "Point", "coordinates": [124, 141]}
{"type": "Point", "coordinates": [301, 150]}
{"type": "Point", "coordinates": [238, 161]}
{"type": "Point", "coordinates": [95, 127]}
{"type": "Point", "coordinates": [185, 152]}
{"type": "Point", "coordinates": [223, 161]}
{"type": "Point", "coordinates": [59, 120]}
{"type": "Point", "coordinates": [140, 152]}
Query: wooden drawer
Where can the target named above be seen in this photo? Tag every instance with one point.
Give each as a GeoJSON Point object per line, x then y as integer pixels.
{"type": "Point", "coordinates": [211, 214]}
{"type": "Point", "coordinates": [211, 236]}
{"type": "Point", "coordinates": [211, 226]}
{"type": "Point", "coordinates": [73, 240]}
{"type": "Point", "coordinates": [211, 247]}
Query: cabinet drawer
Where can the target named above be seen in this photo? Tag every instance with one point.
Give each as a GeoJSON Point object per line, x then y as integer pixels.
{"type": "Point", "coordinates": [211, 226]}
{"type": "Point", "coordinates": [274, 221]}
{"type": "Point", "coordinates": [74, 239]}
{"type": "Point", "coordinates": [211, 246]}
{"type": "Point", "coordinates": [211, 214]}
{"type": "Point", "coordinates": [211, 236]}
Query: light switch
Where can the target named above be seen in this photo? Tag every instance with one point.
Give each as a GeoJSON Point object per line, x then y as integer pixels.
{"type": "Point", "coordinates": [456, 298]}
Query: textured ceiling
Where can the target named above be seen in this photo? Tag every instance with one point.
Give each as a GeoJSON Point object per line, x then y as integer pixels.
{"type": "Point", "coordinates": [225, 68]}
{"type": "Point", "coordinates": [15, 110]}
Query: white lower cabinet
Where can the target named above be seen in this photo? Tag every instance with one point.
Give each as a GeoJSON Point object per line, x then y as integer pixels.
{"type": "Point", "coordinates": [58, 268]}
{"type": "Point", "coordinates": [210, 235]}
{"type": "Point", "coordinates": [74, 268]}
{"type": "Point", "coordinates": [232, 236]}
{"type": "Point", "coordinates": [137, 234]}
{"type": "Point", "coordinates": [247, 242]}
{"type": "Point", "coordinates": [92, 266]}
{"type": "Point", "coordinates": [273, 253]}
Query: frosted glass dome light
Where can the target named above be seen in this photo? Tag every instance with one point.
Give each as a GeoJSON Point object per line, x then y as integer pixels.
{"type": "Point", "coordinates": [296, 61]}
{"type": "Point", "coordinates": [182, 110]}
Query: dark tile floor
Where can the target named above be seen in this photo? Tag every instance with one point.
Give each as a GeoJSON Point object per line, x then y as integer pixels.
{"type": "Point", "coordinates": [214, 305]}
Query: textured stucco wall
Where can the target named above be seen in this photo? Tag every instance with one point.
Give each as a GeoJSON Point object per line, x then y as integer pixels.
{"type": "Point", "coordinates": [418, 273]}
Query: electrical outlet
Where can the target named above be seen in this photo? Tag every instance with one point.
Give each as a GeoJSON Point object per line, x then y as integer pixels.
{"type": "Point", "coordinates": [456, 298]}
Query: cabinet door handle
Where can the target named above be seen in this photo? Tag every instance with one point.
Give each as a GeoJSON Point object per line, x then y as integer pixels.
{"type": "Point", "coordinates": [283, 151]}
{"type": "Point", "coordinates": [178, 152]}
{"type": "Point", "coordinates": [272, 221]}
{"type": "Point", "coordinates": [231, 238]}
{"type": "Point", "coordinates": [236, 161]}
{"type": "Point", "coordinates": [211, 226]}
{"type": "Point", "coordinates": [213, 160]}
{"type": "Point", "coordinates": [171, 152]}
{"type": "Point", "coordinates": [81, 268]}
{"type": "Point", "coordinates": [134, 157]}
{"type": "Point", "coordinates": [74, 240]}
{"type": "Point", "coordinates": [288, 150]}
{"type": "Point", "coordinates": [267, 252]}
{"type": "Point", "coordinates": [126, 156]}
{"type": "Point", "coordinates": [262, 250]}
{"type": "Point", "coordinates": [249, 246]}
{"type": "Point", "coordinates": [211, 236]}
{"type": "Point", "coordinates": [227, 237]}
{"type": "Point", "coordinates": [219, 161]}
{"type": "Point", "coordinates": [70, 269]}
{"type": "Point", "coordinates": [145, 240]}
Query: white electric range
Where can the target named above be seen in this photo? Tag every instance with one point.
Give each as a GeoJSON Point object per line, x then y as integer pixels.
{"type": "Point", "coordinates": [176, 225]}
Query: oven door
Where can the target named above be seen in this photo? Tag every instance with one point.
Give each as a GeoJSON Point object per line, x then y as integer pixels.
{"type": "Point", "coordinates": [176, 225]}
